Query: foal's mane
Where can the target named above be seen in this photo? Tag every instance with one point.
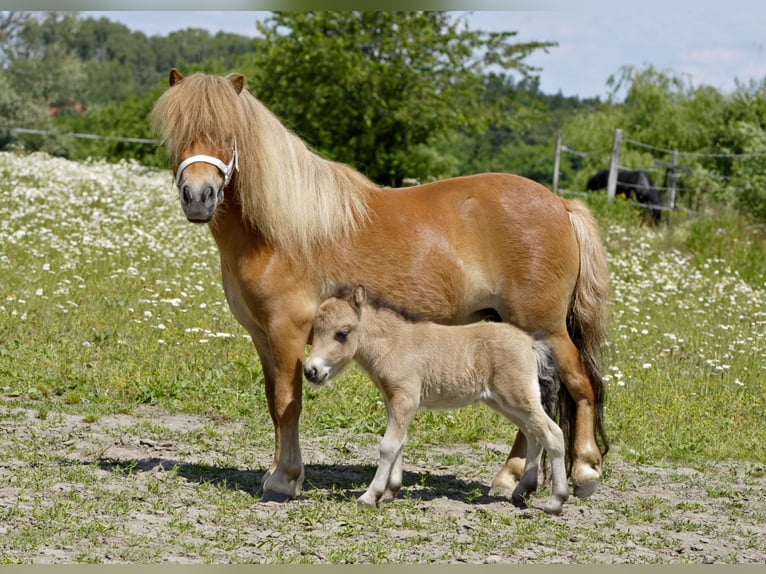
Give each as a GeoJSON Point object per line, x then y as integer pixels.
{"type": "Point", "coordinates": [295, 198]}
{"type": "Point", "coordinates": [379, 303]}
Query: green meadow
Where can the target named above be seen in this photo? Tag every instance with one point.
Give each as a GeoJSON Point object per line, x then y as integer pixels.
{"type": "Point", "coordinates": [110, 302]}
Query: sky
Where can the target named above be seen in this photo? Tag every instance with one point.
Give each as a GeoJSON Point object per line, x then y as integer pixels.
{"type": "Point", "coordinates": [705, 42]}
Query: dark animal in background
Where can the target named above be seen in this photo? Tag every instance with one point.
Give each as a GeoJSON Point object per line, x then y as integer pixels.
{"type": "Point", "coordinates": [631, 183]}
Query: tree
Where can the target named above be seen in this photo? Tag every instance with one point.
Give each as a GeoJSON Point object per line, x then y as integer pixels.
{"type": "Point", "coordinates": [198, 47]}
{"type": "Point", "coordinates": [119, 63]}
{"type": "Point", "coordinates": [371, 88]}
{"type": "Point", "coordinates": [41, 64]}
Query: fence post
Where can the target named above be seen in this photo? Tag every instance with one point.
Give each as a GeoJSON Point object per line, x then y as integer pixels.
{"type": "Point", "coordinates": [672, 181]}
{"type": "Point", "coordinates": [614, 165]}
{"type": "Point", "coordinates": [557, 162]}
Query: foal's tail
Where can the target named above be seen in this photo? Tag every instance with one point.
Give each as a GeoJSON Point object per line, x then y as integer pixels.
{"type": "Point", "coordinates": [586, 321]}
{"type": "Point", "coordinates": [548, 375]}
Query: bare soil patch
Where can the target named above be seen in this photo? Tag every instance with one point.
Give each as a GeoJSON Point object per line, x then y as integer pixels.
{"type": "Point", "coordinates": [159, 487]}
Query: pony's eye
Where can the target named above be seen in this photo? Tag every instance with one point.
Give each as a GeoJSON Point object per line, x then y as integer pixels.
{"type": "Point", "coordinates": [341, 336]}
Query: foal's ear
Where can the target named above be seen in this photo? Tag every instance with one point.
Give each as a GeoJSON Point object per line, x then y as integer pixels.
{"type": "Point", "coordinates": [358, 298]}
{"type": "Point", "coordinates": [238, 82]}
{"type": "Point", "coordinates": [174, 77]}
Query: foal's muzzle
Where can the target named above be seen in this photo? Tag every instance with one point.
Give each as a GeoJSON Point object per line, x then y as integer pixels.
{"type": "Point", "coordinates": [316, 375]}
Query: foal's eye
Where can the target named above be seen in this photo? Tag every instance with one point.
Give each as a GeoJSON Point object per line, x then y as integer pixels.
{"type": "Point", "coordinates": [342, 335]}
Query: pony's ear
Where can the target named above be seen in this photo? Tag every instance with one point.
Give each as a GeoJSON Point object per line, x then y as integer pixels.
{"type": "Point", "coordinates": [238, 82]}
{"type": "Point", "coordinates": [358, 298]}
{"type": "Point", "coordinates": [174, 77]}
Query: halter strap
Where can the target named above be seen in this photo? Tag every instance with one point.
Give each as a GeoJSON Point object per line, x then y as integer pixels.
{"type": "Point", "coordinates": [227, 169]}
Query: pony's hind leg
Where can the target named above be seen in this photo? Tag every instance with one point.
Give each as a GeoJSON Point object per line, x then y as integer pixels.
{"type": "Point", "coordinates": [543, 432]}
{"type": "Point", "coordinates": [510, 473]}
{"type": "Point", "coordinates": [585, 455]}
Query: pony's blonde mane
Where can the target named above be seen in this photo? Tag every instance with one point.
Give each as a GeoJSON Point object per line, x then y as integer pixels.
{"type": "Point", "coordinates": [295, 198]}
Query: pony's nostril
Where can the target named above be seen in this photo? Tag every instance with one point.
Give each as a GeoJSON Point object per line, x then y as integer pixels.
{"type": "Point", "coordinates": [310, 372]}
{"type": "Point", "coordinates": [186, 195]}
{"type": "Point", "coordinates": [208, 195]}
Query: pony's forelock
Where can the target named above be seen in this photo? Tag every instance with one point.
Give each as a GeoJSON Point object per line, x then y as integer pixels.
{"type": "Point", "coordinates": [295, 198]}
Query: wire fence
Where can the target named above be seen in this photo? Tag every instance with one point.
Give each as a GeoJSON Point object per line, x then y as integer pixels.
{"type": "Point", "coordinates": [82, 136]}
{"type": "Point", "coordinates": [672, 172]}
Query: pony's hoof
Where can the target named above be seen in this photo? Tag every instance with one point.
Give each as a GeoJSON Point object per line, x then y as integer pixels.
{"type": "Point", "coordinates": [276, 487]}
{"type": "Point", "coordinates": [585, 478]}
{"type": "Point", "coordinates": [501, 491]}
{"type": "Point", "coordinates": [586, 489]}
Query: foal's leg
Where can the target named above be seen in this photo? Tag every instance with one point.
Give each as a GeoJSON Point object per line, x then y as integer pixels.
{"type": "Point", "coordinates": [401, 409]}
{"type": "Point", "coordinates": [395, 480]}
{"type": "Point", "coordinates": [528, 481]}
{"type": "Point", "coordinates": [541, 431]}
{"type": "Point", "coordinates": [586, 456]}
{"type": "Point", "coordinates": [553, 441]}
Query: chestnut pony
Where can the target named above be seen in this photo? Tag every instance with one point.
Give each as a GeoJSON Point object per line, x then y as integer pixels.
{"type": "Point", "coordinates": [287, 222]}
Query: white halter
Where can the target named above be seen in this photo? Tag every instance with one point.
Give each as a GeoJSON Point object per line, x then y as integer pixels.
{"type": "Point", "coordinates": [226, 169]}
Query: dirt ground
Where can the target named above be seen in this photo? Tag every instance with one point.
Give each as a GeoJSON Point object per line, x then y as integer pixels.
{"type": "Point", "coordinates": [158, 487]}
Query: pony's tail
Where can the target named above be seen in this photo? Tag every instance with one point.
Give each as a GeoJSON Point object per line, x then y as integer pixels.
{"type": "Point", "coordinates": [548, 375]}
{"type": "Point", "coordinates": [586, 320]}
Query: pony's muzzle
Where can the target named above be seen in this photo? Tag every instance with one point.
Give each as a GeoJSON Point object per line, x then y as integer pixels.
{"type": "Point", "coordinates": [199, 201]}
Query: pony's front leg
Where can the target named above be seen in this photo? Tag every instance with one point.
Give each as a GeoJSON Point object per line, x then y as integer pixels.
{"type": "Point", "coordinates": [387, 480]}
{"type": "Point", "coordinates": [283, 374]}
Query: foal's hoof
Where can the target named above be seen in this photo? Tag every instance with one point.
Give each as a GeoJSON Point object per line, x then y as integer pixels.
{"type": "Point", "coordinates": [365, 500]}
{"type": "Point", "coordinates": [273, 496]}
{"type": "Point", "coordinates": [520, 500]}
{"type": "Point", "coordinates": [553, 507]}
{"type": "Point", "coordinates": [586, 489]}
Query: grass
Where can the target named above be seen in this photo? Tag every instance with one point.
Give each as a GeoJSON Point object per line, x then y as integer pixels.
{"type": "Point", "coordinates": [110, 300]}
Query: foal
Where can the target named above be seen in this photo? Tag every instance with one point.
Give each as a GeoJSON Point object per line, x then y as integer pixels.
{"type": "Point", "coordinates": [425, 364]}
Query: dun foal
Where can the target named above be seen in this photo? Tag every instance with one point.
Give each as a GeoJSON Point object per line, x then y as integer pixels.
{"type": "Point", "coordinates": [419, 363]}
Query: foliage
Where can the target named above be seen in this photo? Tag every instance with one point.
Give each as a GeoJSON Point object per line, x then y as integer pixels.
{"type": "Point", "coordinates": [720, 139]}
{"type": "Point", "coordinates": [728, 236]}
{"type": "Point", "coordinates": [68, 74]}
{"type": "Point", "coordinates": [41, 64]}
{"type": "Point", "coordinates": [401, 96]}
{"type": "Point", "coordinates": [17, 110]}
{"type": "Point", "coordinates": [369, 88]}
{"type": "Point", "coordinates": [130, 116]}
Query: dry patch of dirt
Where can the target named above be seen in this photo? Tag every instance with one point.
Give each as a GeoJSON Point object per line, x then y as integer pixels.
{"type": "Point", "coordinates": [158, 487]}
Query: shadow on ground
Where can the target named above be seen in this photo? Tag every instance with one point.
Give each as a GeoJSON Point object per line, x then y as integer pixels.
{"type": "Point", "coordinates": [338, 481]}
